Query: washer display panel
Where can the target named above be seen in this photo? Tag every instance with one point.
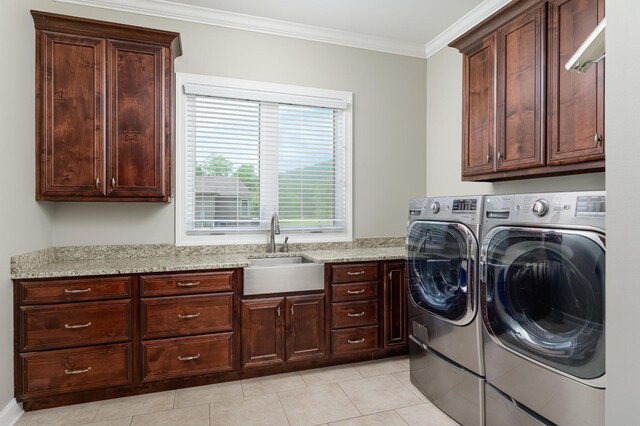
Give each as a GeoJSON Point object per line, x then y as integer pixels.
{"type": "Point", "coordinates": [544, 296]}
{"type": "Point", "coordinates": [441, 260]}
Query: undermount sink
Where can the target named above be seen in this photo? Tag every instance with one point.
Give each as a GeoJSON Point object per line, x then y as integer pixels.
{"type": "Point", "coordinates": [282, 275]}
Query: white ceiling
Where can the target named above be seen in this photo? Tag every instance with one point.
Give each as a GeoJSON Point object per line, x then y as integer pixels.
{"type": "Point", "coordinates": [417, 21]}
{"type": "Point", "coordinates": [406, 27]}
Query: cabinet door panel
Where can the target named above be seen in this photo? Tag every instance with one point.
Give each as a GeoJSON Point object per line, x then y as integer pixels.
{"type": "Point", "coordinates": [262, 332]}
{"type": "Point", "coordinates": [576, 101]}
{"type": "Point", "coordinates": [136, 132]}
{"type": "Point", "coordinates": [395, 304]}
{"type": "Point", "coordinates": [306, 338]}
{"type": "Point", "coordinates": [70, 128]}
{"type": "Point", "coordinates": [478, 109]}
{"type": "Point", "coordinates": [520, 106]}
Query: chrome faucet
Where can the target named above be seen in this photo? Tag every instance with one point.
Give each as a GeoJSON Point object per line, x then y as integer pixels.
{"type": "Point", "coordinates": [275, 229]}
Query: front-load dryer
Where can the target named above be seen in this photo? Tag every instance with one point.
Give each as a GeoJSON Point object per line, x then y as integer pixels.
{"type": "Point", "coordinates": [444, 324]}
{"type": "Point", "coordinates": [543, 306]}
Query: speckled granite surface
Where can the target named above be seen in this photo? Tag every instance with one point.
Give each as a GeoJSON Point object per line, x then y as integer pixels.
{"type": "Point", "coordinates": [133, 259]}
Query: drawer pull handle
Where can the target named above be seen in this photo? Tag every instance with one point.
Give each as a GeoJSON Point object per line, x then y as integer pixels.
{"type": "Point", "coordinates": [355, 342]}
{"type": "Point", "coordinates": [192, 284]}
{"type": "Point", "coordinates": [196, 315]}
{"type": "Point", "coordinates": [71, 372]}
{"type": "Point", "coordinates": [355, 273]}
{"type": "Point", "coordinates": [355, 315]}
{"type": "Point", "coordinates": [67, 326]}
{"type": "Point", "coordinates": [188, 358]}
{"type": "Point", "coordinates": [84, 290]}
{"type": "Point", "coordinates": [356, 291]}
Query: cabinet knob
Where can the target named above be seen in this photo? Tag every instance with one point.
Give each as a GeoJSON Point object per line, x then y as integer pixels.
{"type": "Point", "coordinates": [597, 140]}
{"type": "Point", "coordinates": [500, 156]}
{"type": "Point", "coordinates": [113, 182]}
{"type": "Point", "coordinates": [97, 182]}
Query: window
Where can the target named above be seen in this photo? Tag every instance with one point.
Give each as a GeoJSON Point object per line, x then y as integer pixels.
{"type": "Point", "coordinates": [247, 150]}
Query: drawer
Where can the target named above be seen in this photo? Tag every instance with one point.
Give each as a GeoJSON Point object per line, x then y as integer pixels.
{"type": "Point", "coordinates": [71, 370]}
{"type": "Point", "coordinates": [74, 324]}
{"type": "Point", "coordinates": [176, 284]}
{"type": "Point", "coordinates": [354, 272]}
{"type": "Point", "coordinates": [355, 291]}
{"type": "Point", "coordinates": [74, 290]}
{"type": "Point", "coordinates": [186, 315]}
{"type": "Point", "coordinates": [187, 356]}
{"type": "Point", "coordinates": [354, 314]}
{"type": "Point", "coordinates": [354, 339]}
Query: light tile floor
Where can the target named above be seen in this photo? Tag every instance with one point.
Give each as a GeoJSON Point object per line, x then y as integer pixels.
{"type": "Point", "coordinates": [364, 394]}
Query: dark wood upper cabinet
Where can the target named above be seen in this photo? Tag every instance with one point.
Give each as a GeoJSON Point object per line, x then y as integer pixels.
{"type": "Point", "coordinates": [520, 83]}
{"type": "Point", "coordinates": [478, 105]}
{"type": "Point", "coordinates": [524, 115]}
{"type": "Point", "coordinates": [576, 101]}
{"type": "Point", "coordinates": [104, 110]}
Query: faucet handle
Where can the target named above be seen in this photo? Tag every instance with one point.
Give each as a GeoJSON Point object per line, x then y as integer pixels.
{"type": "Point", "coordinates": [285, 245]}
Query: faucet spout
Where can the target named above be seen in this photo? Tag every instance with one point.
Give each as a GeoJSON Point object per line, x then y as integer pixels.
{"type": "Point", "coordinates": [274, 230]}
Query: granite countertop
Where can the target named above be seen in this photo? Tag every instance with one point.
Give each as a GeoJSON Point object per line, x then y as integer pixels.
{"type": "Point", "coordinates": [170, 263]}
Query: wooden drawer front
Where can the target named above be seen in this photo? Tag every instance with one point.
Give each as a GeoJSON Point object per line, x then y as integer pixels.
{"type": "Point", "coordinates": [354, 314]}
{"type": "Point", "coordinates": [187, 356]}
{"type": "Point", "coordinates": [176, 284]}
{"type": "Point", "coordinates": [356, 291]}
{"type": "Point", "coordinates": [72, 370]}
{"type": "Point", "coordinates": [354, 339]}
{"type": "Point", "coordinates": [75, 290]}
{"type": "Point", "coordinates": [75, 324]}
{"type": "Point", "coordinates": [185, 315]}
{"type": "Point", "coordinates": [354, 272]}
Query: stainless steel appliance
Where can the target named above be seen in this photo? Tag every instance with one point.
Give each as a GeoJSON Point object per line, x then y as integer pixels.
{"type": "Point", "coordinates": [444, 324]}
{"type": "Point", "coordinates": [542, 302]}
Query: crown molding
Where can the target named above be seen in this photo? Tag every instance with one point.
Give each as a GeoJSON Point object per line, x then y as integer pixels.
{"type": "Point", "coordinates": [202, 15]}
{"type": "Point", "coordinates": [464, 24]}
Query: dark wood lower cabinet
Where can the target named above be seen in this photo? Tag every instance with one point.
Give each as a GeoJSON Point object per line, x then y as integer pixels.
{"type": "Point", "coordinates": [395, 304]}
{"type": "Point", "coordinates": [305, 328]}
{"type": "Point", "coordinates": [262, 332]}
{"type": "Point", "coordinates": [156, 332]}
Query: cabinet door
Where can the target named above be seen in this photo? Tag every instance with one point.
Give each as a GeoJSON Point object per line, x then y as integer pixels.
{"type": "Point", "coordinates": [395, 304]}
{"type": "Point", "coordinates": [576, 101]}
{"type": "Point", "coordinates": [136, 105]}
{"type": "Point", "coordinates": [520, 92]}
{"type": "Point", "coordinates": [478, 89]}
{"type": "Point", "coordinates": [70, 116]}
{"type": "Point", "coordinates": [306, 338]}
{"type": "Point", "coordinates": [262, 332]}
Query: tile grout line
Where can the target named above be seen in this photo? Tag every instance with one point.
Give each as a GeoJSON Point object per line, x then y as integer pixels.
{"type": "Point", "coordinates": [97, 411]}
{"type": "Point", "coordinates": [283, 410]}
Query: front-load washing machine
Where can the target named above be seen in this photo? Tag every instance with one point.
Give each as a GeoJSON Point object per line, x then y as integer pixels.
{"type": "Point", "coordinates": [543, 307]}
{"type": "Point", "coordinates": [446, 361]}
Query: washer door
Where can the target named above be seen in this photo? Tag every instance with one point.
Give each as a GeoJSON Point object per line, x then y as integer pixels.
{"type": "Point", "coordinates": [442, 258]}
{"type": "Point", "coordinates": [543, 296]}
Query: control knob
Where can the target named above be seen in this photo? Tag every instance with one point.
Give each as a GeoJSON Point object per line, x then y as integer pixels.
{"type": "Point", "coordinates": [540, 208]}
{"type": "Point", "coordinates": [435, 207]}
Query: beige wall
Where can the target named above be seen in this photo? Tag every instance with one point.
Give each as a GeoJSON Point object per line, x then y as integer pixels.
{"type": "Point", "coordinates": [444, 136]}
{"type": "Point", "coordinates": [24, 224]}
{"type": "Point", "coordinates": [389, 124]}
{"type": "Point", "coordinates": [623, 205]}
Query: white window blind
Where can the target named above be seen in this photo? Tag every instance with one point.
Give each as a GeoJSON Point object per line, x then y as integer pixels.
{"type": "Point", "coordinates": [248, 158]}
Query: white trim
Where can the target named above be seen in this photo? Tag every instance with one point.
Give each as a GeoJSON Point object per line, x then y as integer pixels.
{"type": "Point", "coordinates": [181, 238]}
{"type": "Point", "coordinates": [11, 413]}
{"type": "Point", "coordinates": [221, 18]}
{"type": "Point", "coordinates": [464, 24]}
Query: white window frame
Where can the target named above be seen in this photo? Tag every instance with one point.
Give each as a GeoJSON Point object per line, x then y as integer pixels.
{"type": "Point", "coordinates": [240, 88]}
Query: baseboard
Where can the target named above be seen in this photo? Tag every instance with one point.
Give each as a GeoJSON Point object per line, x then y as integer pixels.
{"type": "Point", "coordinates": [11, 413]}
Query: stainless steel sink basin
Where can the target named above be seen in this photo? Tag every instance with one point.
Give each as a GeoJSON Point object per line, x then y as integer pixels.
{"type": "Point", "coordinates": [282, 275]}
{"type": "Point", "coordinates": [277, 261]}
